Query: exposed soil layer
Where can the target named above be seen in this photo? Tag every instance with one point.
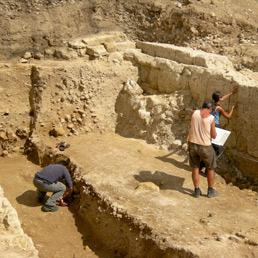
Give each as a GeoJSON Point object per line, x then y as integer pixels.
{"type": "Point", "coordinates": [227, 27]}
{"type": "Point", "coordinates": [54, 234]}
{"type": "Point", "coordinates": [131, 200]}
{"type": "Point", "coordinates": [116, 170]}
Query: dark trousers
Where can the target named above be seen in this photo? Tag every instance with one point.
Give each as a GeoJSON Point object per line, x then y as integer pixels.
{"type": "Point", "coordinates": [218, 151]}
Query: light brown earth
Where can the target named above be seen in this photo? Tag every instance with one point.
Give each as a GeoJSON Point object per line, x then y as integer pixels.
{"type": "Point", "coordinates": [117, 165]}
{"type": "Point", "coordinates": [54, 234]}
{"type": "Point", "coordinates": [226, 226]}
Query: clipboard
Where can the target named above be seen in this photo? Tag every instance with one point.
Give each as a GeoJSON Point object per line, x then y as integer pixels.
{"type": "Point", "coordinates": [222, 136]}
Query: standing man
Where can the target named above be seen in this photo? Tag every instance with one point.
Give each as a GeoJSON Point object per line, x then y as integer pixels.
{"type": "Point", "coordinates": [53, 178]}
{"type": "Point", "coordinates": [199, 140]}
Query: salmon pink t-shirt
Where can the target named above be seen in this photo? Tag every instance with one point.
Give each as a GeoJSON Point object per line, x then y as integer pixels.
{"type": "Point", "coordinates": [200, 129]}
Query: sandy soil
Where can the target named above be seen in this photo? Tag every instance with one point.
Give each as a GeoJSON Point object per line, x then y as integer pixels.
{"type": "Point", "coordinates": [55, 235]}
{"type": "Point", "coordinates": [116, 165]}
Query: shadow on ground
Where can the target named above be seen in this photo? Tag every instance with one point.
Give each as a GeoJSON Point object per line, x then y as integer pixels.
{"type": "Point", "coordinates": [87, 233]}
{"type": "Point", "coordinates": [176, 163]}
{"type": "Point", "coordinates": [163, 180]}
{"type": "Point", "coordinates": [28, 198]}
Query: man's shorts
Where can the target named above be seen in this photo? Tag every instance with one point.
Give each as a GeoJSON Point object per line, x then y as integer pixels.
{"type": "Point", "coordinates": [205, 153]}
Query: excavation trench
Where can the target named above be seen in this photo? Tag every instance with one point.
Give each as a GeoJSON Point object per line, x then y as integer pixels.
{"type": "Point", "coordinates": [106, 227]}
{"type": "Point", "coordinates": [129, 197]}
{"type": "Point", "coordinates": [96, 232]}
{"type": "Point", "coordinates": [132, 200]}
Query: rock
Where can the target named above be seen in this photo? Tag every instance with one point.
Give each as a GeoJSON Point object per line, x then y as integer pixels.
{"type": "Point", "coordinates": [49, 52]}
{"type": "Point", "coordinates": [76, 44]}
{"type": "Point", "coordinates": [23, 61]}
{"type": "Point", "coordinates": [101, 38]}
{"type": "Point", "coordinates": [179, 5]}
{"type": "Point", "coordinates": [96, 51]}
{"type": "Point", "coordinates": [144, 115]}
{"type": "Point", "coordinates": [57, 131]}
{"type": "Point", "coordinates": [194, 30]}
{"type": "Point", "coordinates": [38, 55]}
{"type": "Point", "coordinates": [147, 186]}
{"type": "Point", "coordinates": [110, 47]}
{"type": "Point", "coordinates": [11, 136]}
{"type": "Point", "coordinates": [3, 135]}
{"type": "Point", "coordinates": [185, 146]}
{"type": "Point", "coordinates": [67, 118]}
{"type": "Point", "coordinates": [14, 242]}
{"type": "Point", "coordinates": [70, 126]}
{"type": "Point", "coordinates": [234, 239]}
{"type": "Point", "coordinates": [64, 53]}
{"type": "Point", "coordinates": [82, 52]}
{"type": "Point", "coordinates": [176, 143]}
{"type": "Point", "coordinates": [5, 153]}
{"type": "Point", "coordinates": [27, 55]}
{"type": "Point", "coordinates": [132, 88]}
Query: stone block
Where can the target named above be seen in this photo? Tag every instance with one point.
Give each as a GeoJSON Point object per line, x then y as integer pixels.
{"type": "Point", "coordinates": [96, 51]}
{"type": "Point", "coordinates": [76, 44]}
{"type": "Point", "coordinates": [64, 53]}
{"type": "Point", "coordinates": [104, 37]}
{"type": "Point", "coordinates": [186, 55]}
{"type": "Point", "coordinates": [110, 47]}
{"type": "Point", "coordinates": [122, 46]}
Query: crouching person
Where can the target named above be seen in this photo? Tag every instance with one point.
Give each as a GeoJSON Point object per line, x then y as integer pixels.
{"type": "Point", "coordinates": [54, 178]}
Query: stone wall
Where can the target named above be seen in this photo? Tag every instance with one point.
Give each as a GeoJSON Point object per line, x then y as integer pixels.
{"type": "Point", "coordinates": [167, 69]}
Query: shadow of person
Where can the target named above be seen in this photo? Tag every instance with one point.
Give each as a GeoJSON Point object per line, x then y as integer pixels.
{"type": "Point", "coordinates": [28, 198]}
{"type": "Point", "coordinates": [163, 180]}
{"type": "Point", "coordinates": [175, 162]}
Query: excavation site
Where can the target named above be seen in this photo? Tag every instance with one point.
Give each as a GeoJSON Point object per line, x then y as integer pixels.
{"type": "Point", "coordinates": [110, 89]}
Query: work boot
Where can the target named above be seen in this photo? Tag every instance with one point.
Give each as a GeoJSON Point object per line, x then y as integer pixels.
{"type": "Point", "coordinates": [47, 208]}
{"type": "Point", "coordinates": [211, 192]}
{"type": "Point", "coordinates": [197, 192]}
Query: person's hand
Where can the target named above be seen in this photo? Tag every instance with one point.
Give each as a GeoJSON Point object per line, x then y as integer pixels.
{"type": "Point", "coordinates": [67, 193]}
{"type": "Point", "coordinates": [62, 203]}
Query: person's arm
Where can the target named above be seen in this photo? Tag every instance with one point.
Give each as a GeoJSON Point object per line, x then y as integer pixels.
{"type": "Point", "coordinates": [225, 113]}
{"type": "Point", "coordinates": [67, 177]}
{"type": "Point", "coordinates": [213, 130]}
{"type": "Point", "coordinates": [234, 90]}
{"type": "Point", "coordinates": [66, 194]}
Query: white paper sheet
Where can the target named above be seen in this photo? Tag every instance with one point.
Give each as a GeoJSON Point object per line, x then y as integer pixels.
{"type": "Point", "coordinates": [222, 136]}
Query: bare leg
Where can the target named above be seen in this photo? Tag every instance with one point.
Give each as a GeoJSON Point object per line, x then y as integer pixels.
{"type": "Point", "coordinates": [195, 177]}
{"type": "Point", "coordinates": [210, 177]}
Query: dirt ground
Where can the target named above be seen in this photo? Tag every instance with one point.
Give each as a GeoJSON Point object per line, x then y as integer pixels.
{"type": "Point", "coordinates": [226, 27]}
{"type": "Point", "coordinates": [117, 165]}
{"type": "Point", "coordinates": [225, 226]}
{"type": "Point", "coordinates": [54, 234]}
{"type": "Point", "coordinates": [218, 221]}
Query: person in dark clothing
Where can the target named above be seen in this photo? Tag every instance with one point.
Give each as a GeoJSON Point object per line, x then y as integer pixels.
{"type": "Point", "coordinates": [53, 178]}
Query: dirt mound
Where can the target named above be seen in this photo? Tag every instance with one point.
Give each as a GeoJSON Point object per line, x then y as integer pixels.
{"type": "Point", "coordinates": [227, 27]}
{"type": "Point", "coordinates": [75, 71]}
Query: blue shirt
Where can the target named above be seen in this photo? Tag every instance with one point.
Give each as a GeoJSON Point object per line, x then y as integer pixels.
{"type": "Point", "coordinates": [216, 115]}
{"type": "Point", "coordinates": [54, 173]}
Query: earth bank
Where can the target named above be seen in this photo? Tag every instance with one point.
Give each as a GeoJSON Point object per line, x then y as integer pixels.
{"type": "Point", "coordinates": [58, 83]}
